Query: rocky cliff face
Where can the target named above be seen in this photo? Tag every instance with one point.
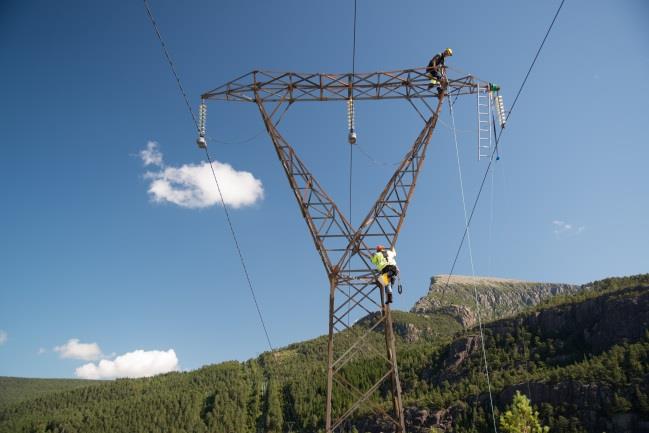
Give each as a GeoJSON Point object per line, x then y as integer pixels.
{"type": "Point", "coordinates": [497, 297]}
{"type": "Point", "coordinates": [591, 327]}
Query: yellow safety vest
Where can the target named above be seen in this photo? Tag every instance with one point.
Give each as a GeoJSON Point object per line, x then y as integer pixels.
{"type": "Point", "coordinates": [379, 261]}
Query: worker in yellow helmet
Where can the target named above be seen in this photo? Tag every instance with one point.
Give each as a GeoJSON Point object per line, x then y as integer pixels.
{"type": "Point", "coordinates": [435, 70]}
{"type": "Point", "coordinates": [387, 266]}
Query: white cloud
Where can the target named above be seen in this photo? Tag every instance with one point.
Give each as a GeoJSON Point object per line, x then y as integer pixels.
{"type": "Point", "coordinates": [192, 185]}
{"type": "Point", "coordinates": [3, 337]}
{"type": "Point", "coordinates": [562, 227]}
{"type": "Point", "coordinates": [41, 351]}
{"type": "Point", "coordinates": [151, 155]}
{"type": "Point", "coordinates": [139, 363]}
{"type": "Point", "coordinates": [76, 350]}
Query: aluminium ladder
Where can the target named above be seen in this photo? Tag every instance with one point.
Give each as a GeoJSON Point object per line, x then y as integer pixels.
{"type": "Point", "coordinates": [484, 121]}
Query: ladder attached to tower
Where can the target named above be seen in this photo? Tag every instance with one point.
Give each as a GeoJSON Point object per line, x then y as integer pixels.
{"type": "Point", "coordinates": [484, 121]}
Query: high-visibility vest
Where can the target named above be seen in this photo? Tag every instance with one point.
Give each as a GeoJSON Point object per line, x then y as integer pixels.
{"type": "Point", "coordinates": [379, 261]}
{"type": "Point", "coordinates": [383, 258]}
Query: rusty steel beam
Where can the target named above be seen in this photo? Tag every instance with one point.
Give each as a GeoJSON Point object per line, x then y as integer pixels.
{"type": "Point", "coordinates": [269, 86]}
{"type": "Point", "coordinates": [346, 251]}
{"type": "Point", "coordinates": [343, 249]}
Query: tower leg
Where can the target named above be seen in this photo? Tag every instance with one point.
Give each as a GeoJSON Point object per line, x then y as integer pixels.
{"type": "Point", "coordinates": [396, 383]}
{"type": "Point", "coordinates": [345, 254]}
{"type": "Point", "coordinates": [330, 353]}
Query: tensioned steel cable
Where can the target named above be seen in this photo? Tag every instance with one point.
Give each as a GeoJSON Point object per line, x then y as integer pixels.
{"type": "Point", "coordinates": [351, 158]}
{"type": "Point", "coordinates": [351, 146]}
{"type": "Point", "coordinates": [218, 187]}
{"type": "Point", "coordinates": [171, 63]}
{"type": "Point", "coordinates": [475, 288]}
{"type": "Point", "coordinates": [495, 150]}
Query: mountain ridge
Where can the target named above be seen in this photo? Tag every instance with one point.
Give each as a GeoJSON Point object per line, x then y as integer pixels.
{"type": "Point", "coordinates": [586, 372]}
{"type": "Point", "coordinates": [497, 297]}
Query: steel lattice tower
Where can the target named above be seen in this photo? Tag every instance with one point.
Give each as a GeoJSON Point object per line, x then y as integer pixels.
{"type": "Point", "coordinates": [345, 250]}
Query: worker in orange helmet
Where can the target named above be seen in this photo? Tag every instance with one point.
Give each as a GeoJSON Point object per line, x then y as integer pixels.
{"type": "Point", "coordinates": [387, 266]}
{"type": "Point", "coordinates": [435, 70]}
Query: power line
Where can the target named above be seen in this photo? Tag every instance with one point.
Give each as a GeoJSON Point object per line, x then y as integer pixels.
{"type": "Point", "coordinates": [243, 262]}
{"type": "Point", "coordinates": [171, 63]}
{"type": "Point", "coordinates": [218, 187]}
{"type": "Point", "coordinates": [354, 43]}
{"type": "Point", "coordinates": [495, 150]}
{"type": "Point", "coordinates": [351, 154]}
{"type": "Point", "coordinates": [535, 57]}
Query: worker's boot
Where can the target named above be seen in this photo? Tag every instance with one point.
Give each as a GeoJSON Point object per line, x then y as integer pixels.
{"type": "Point", "coordinates": [389, 300]}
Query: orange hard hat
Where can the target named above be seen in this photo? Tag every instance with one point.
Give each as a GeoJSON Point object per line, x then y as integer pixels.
{"type": "Point", "coordinates": [380, 248]}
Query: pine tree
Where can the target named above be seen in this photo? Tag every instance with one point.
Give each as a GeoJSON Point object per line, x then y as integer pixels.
{"type": "Point", "coordinates": [274, 415]}
{"type": "Point", "coordinates": [521, 417]}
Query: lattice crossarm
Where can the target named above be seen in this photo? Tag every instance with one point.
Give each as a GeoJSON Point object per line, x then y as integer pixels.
{"type": "Point", "coordinates": [401, 84]}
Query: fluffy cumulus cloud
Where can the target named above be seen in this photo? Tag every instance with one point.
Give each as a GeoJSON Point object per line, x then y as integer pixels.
{"type": "Point", "coordinates": [3, 337]}
{"type": "Point", "coordinates": [192, 185]}
{"type": "Point", "coordinates": [76, 350]}
{"type": "Point", "coordinates": [563, 228]}
{"type": "Point", "coordinates": [139, 363]}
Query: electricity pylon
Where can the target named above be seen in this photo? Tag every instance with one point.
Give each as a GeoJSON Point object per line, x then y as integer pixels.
{"type": "Point", "coordinates": [345, 250]}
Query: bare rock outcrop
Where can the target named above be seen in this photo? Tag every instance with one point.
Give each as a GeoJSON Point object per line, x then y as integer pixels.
{"type": "Point", "coordinates": [497, 297]}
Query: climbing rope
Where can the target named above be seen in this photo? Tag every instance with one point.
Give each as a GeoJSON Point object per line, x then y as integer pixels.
{"type": "Point", "coordinates": [491, 201]}
{"type": "Point", "coordinates": [475, 288]}
{"type": "Point", "coordinates": [495, 151]}
{"type": "Point", "coordinates": [491, 223]}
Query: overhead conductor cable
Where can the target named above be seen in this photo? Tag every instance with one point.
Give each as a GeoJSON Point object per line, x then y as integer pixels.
{"type": "Point", "coordinates": [201, 130]}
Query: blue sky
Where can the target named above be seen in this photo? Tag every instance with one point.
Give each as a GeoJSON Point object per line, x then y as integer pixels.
{"type": "Point", "coordinates": [88, 255]}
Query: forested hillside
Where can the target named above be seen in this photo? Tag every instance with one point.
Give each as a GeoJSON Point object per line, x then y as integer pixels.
{"type": "Point", "coordinates": [15, 389]}
{"type": "Point", "coordinates": [582, 358]}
